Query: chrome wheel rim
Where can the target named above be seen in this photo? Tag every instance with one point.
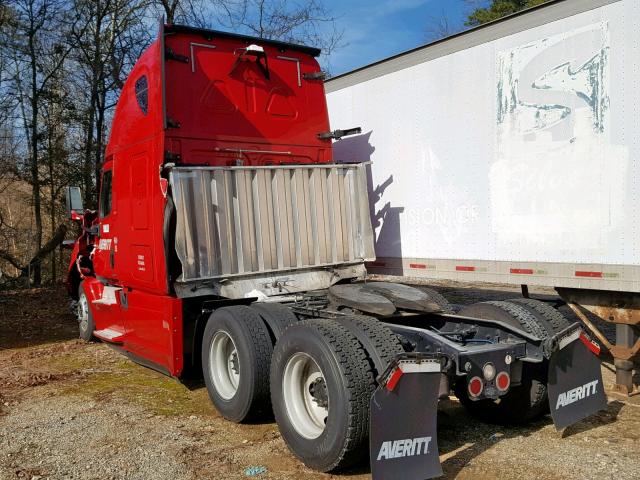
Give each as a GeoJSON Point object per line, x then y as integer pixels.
{"type": "Point", "coordinates": [83, 312]}
{"type": "Point", "coordinates": [224, 365]}
{"type": "Point", "coordinates": [305, 395]}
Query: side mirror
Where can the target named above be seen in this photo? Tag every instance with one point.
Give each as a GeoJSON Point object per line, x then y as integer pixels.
{"type": "Point", "coordinates": [68, 244]}
{"type": "Point", "coordinates": [74, 203]}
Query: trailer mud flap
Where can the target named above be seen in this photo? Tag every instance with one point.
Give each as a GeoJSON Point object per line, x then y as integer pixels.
{"type": "Point", "coordinates": [575, 382]}
{"type": "Point", "coordinates": [403, 433]}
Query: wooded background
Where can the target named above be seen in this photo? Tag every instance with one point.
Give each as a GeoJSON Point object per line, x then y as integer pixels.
{"type": "Point", "coordinates": [62, 65]}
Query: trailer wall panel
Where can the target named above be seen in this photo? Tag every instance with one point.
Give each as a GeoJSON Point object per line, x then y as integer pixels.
{"type": "Point", "coordinates": [513, 147]}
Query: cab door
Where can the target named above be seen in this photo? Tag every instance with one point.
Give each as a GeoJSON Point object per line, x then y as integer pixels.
{"type": "Point", "coordinates": [105, 257]}
{"type": "Point", "coordinates": [107, 308]}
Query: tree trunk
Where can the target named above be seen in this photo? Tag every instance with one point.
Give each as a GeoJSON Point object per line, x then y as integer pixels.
{"type": "Point", "coordinates": [41, 254]}
{"type": "Point", "coordinates": [35, 177]}
{"type": "Point", "coordinates": [52, 214]}
{"type": "Point", "coordinates": [88, 167]}
{"type": "Point", "coordinates": [100, 133]}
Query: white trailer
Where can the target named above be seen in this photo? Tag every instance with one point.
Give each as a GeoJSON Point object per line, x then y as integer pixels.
{"type": "Point", "coordinates": [510, 153]}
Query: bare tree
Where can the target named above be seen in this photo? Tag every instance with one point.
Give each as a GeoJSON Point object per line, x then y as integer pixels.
{"type": "Point", "coordinates": [102, 55]}
{"type": "Point", "coordinates": [41, 47]}
{"type": "Point", "coordinates": [192, 12]}
{"type": "Point", "coordinates": [7, 138]}
{"type": "Point", "coordinates": [438, 27]}
{"type": "Point", "coordinates": [308, 22]}
{"type": "Point", "coordinates": [169, 7]}
{"type": "Point", "coordinates": [62, 66]}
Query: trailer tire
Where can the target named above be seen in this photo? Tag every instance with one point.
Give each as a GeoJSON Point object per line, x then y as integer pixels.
{"type": "Point", "coordinates": [524, 402]}
{"type": "Point", "coordinates": [380, 344]}
{"type": "Point", "coordinates": [276, 316]}
{"type": "Point", "coordinates": [439, 299]}
{"type": "Point", "coordinates": [319, 365]}
{"type": "Point", "coordinates": [236, 355]}
{"type": "Point", "coordinates": [556, 319]}
{"type": "Point", "coordinates": [86, 324]}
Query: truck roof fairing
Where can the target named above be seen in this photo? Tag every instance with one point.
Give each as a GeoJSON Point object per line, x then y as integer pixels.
{"type": "Point", "coordinates": [194, 90]}
{"type": "Point", "coordinates": [210, 34]}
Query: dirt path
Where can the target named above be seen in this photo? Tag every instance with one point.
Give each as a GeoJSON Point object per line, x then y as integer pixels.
{"type": "Point", "coordinates": [73, 410]}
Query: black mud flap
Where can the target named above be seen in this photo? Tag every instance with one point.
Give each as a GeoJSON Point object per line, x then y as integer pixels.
{"type": "Point", "coordinates": [575, 381]}
{"type": "Point", "coordinates": [403, 434]}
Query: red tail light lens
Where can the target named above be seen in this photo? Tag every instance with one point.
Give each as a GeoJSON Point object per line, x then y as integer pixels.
{"type": "Point", "coordinates": [475, 386]}
{"type": "Point", "coordinates": [503, 380]}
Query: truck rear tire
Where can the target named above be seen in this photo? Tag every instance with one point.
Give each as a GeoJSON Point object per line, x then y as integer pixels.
{"type": "Point", "coordinates": [86, 325]}
{"type": "Point", "coordinates": [509, 313]}
{"type": "Point", "coordinates": [236, 355]}
{"type": "Point", "coordinates": [439, 299]}
{"type": "Point", "coordinates": [321, 385]}
{"type": "Point", "coordinates": [556, 320]}
{"type": "Point", "coordinates": [379, 343]}
{"type": "Point", "coordinates": [524, 402]}
{"type": "Point", "coordinates": [277, 317]}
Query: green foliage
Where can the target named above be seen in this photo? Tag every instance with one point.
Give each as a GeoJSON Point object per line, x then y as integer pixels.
{"type": "Point", "coordinates": [499, 9]}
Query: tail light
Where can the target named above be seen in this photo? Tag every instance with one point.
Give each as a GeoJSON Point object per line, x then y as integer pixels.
{"type": "Point", "coordinates": [503, 380]}
{"type": "Point", "coordinates": [590, 344]}
{"type": "Point", "coordinates": [475, 386]}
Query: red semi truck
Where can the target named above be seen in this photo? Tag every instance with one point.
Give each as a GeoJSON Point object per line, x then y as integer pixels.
{"type": "Point", "coordinates": [228, 245]}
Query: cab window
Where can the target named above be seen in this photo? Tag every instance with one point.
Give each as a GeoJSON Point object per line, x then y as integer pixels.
{"type": "Point", "coordinates": [142, 94]}
{"type": "Point", "coordinates": [106, 196]}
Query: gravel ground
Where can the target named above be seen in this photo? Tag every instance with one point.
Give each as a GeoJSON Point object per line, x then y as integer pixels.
{"type": "Point", "coordinates": [75, 410]}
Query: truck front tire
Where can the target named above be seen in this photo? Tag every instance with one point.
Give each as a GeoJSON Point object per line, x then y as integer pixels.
{"type": "Point", "coordinates": [321, 385]}
{"type": "Point", "coordinates": [236, 354]}
{"type": "Point", "coordinates": [86, 325]}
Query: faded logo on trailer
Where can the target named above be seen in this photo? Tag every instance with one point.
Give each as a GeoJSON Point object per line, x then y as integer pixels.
{"type": "Point", "coordinates": [545, 84]}
{"type": "Point", "coordinates": [553, 132]}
